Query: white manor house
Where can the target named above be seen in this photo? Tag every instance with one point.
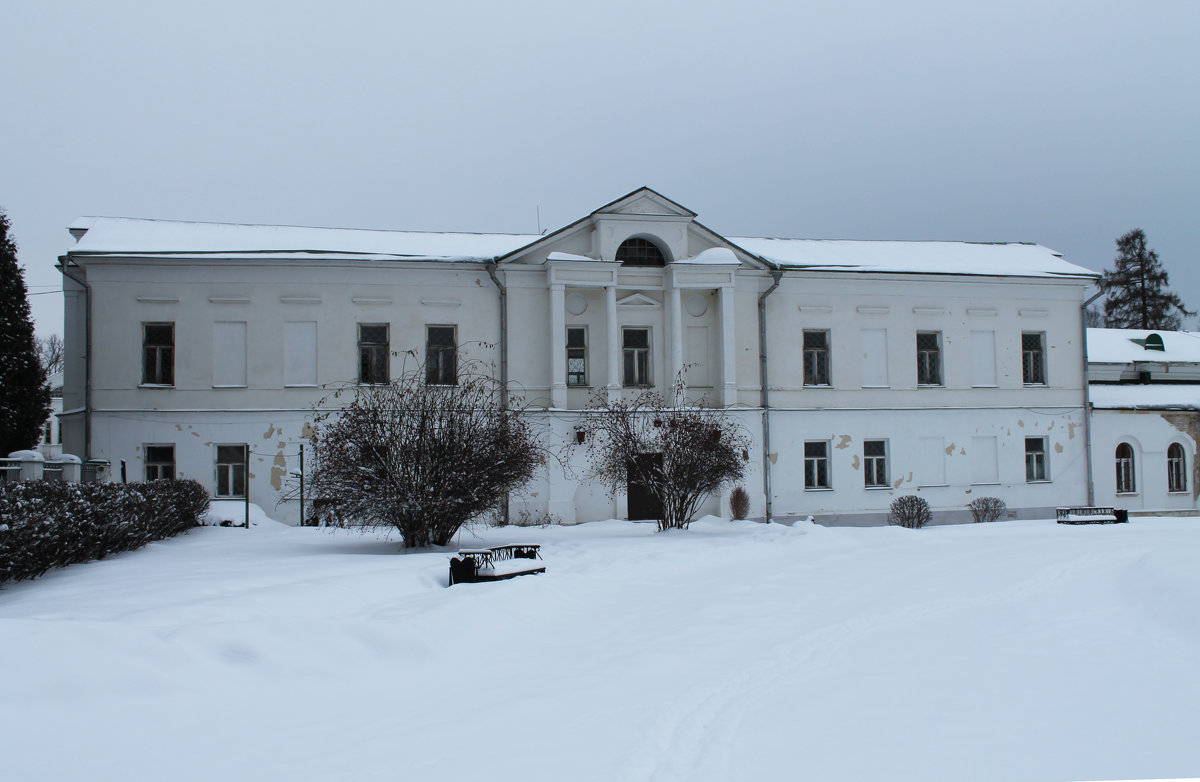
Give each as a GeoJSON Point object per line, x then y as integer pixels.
{"type": "Point", "coordinates": [863, 370]}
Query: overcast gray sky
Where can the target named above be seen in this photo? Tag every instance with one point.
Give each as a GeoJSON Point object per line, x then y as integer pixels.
{"type": "Point", "coordinates": [1062, 123]}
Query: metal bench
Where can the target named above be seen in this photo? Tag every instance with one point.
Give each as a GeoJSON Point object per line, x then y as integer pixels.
{"type": "Point", "coordinates": [498, 563]}
{"type": "Point", "coordinates": [1092, 515]}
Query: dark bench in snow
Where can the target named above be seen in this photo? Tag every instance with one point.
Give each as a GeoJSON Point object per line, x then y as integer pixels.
{"type": "Point", "coordinates": [473, 565]}
{"type": "Point", "coordinates": [1089, 515]}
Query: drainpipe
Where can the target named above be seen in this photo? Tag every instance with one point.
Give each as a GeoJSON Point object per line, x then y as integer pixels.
{"type": "Point", "coordinates": [63, 260]}
{"type": "Point", "coordinates": [1087, 402]}
{"type": "Point", "coordinates": [491, 270]}
{"type": "Point", "coordinates": [776, 275]}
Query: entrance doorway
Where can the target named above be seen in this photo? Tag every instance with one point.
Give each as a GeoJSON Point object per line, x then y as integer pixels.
{"type": "Point", "coordinates": [642, 502]}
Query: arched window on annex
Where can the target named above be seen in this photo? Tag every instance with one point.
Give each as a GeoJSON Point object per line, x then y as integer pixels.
{"type": "Point", "coordinates": [1176, 468]}
{"type": "Point", "coordinates": [639, 251]}
{"type": "Point", "coordinates": [1125, 466]}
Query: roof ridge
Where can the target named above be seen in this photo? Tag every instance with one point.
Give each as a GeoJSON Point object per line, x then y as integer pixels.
{"type": "Point", "coordinates": [289, 225]}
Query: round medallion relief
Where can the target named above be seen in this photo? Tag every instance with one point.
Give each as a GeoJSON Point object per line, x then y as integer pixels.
{"type": "Point", "coordinates": [697, 305]}
{"type": "Point", "coordinates": [576, 303]}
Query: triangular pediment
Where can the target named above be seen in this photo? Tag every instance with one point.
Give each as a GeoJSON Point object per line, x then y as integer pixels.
{"type": "Point", "coordinates": [637, 300]}
{"type": "Point", "coordinates": [645, 201]}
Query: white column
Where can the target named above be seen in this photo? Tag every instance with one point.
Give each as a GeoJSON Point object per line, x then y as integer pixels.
{"type": "Point", "coordinates": [676, 328]}
{"type": "Point", "coordinates": [614, 342]}
{"type": "Point", "coordinates": [558, 347]}
{"type": "Point", "coordinates": [728, 356]}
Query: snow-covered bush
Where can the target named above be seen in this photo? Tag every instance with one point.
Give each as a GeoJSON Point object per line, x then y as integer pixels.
{"type": "Point", "coordinates": [46, 524]}
{"type": "Point", "coordinates": [987, 508]}
{"type": "Point", "coordinates": [909, 511]}
{"type": "Point", "coordinates": [739, 503]}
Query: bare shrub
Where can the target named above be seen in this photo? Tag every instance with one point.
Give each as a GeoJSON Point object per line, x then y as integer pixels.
{"type": "Point", "coordinates": [739, 503]}
{"type": "Point", "coordinates": [419, 457]}
{"type": "Point", "coordinates": [909, 511]}
{"type": "Point", "coordinates": [678, 451]}
{"type": "Point", "coordinates": [987, 509]}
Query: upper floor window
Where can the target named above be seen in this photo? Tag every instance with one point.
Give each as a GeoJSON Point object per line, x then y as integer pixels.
{"type": "Point", "coordinates": [1035, 460]}
{"type": "Point", "coordinates": [640, 252]}
{"type": "Point", "coordinates": [816, 358]}
{"type": "Point", "coordinates": [929, 358]}
{"type": "Point", "coordinates": [1176, 468]}
{"type": "Point", "coordinates": [160, 462]}
{"type": "Point", "coordinates": [373, 353]}
{"type": "Point", "coordinates": [577, 356]}
{"type": "Point", "coordinates": [1125, 465]}
{"type": "Point", "coordinates": [158, 354]}
{"type": "Point", "coordinates": [635, 348]}
{"type": "Point", "coordinates": [1033, 358]}
{"type": "Point", "coordinates": [875, 464]}
{"type": "Point", "coordinates": [816, 464]}
{"type": "Point", "coordinates": [441, 356]}
{"type": "Point", "coordinates": [48, 433]}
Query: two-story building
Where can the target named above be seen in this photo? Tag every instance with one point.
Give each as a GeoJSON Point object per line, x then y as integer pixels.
{"type": "Point", "coordinates": [862, 369]}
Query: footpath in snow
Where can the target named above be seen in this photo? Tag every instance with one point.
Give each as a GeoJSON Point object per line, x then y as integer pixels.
{"type": "Point", "coordinates": [1008, 651]}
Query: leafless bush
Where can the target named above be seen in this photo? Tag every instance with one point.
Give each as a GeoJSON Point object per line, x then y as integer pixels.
{"type": "Point", "coordinates": [680, 453]}
{"type": "Point", "coordinates": [739, 503]}
{"type": "Point", "coordinates": [422, 458]}
{"type": "Point", "coordinates": [536, 518]}
{"type": "Point", "coordinates": [987, 508]}
{"type": "Point", "coordinates": [909, 511]}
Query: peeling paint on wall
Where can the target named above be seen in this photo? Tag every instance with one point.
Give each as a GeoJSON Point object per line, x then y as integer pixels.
{"type": "Point", "coordinates": [950, 449]}
{"type": "Point", "coordinates": [843, 441]}
{"type": "Point", "coordinates": [774, 457]}
{"type": "Point", "coordinates": [306, 431]}
{"type": "Point", "coordinates": [1020, 423]}
{"type": "Point", "coordinates": [854, 462]}
{"type": "Point", "coordinates": [267, 435]}
{"type": "Point", "coordinates": [1058, 448]}
{"type": "Point", "coordinates": [1071, 429]}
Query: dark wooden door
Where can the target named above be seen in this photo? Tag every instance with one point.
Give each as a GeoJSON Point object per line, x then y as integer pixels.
{"type": "Point", "coordinates": [642, 503]}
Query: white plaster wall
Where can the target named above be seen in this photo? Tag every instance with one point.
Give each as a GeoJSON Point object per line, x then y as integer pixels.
{"type": "Point", "coordinates": [1149, 433]}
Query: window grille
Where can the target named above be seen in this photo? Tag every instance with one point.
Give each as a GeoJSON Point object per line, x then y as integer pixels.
{"type": "Point", "coordinates": [1125, 466]}
{"type": "Point", "coordinates": [929, 358]}
{"type": "Point", "coordinates": [1033, 358]}
{"type": "Point", "coordinates": [640, 252]}
{"type": "Point", "coordinates": [816, 358]}
{"type": "Point", "coordinates": [875, 463]}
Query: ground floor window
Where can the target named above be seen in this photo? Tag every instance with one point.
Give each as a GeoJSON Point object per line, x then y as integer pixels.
{"type": "Point", "coordinates": [1035, 460]}
{"type": "Point", "coordinates": [160, 462]}
{"type": "Point", "coordinates": [816, 464]}
{"type": "Point", "coordinates": [1125, 482]}
{"type": "Point", "coordinates": [1176, 468]}
{"type": "Point", "coordinates": [875, 463]}
{"type": "Point", "coordinates": [231, 470]}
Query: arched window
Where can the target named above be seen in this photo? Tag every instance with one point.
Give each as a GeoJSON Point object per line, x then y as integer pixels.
{"type": "Point", "coordinates": [640, 252]}
{"type": "Point", "coordinates": [1176, 468]}
{"type": "Point", "coordinates": [1125, 482]}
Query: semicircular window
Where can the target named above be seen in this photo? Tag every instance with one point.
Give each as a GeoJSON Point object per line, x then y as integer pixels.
{"type": "Point", "coordinates": [640, 252]}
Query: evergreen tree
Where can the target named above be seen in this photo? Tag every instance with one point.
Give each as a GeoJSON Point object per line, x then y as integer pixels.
{"type": "Point", "coordinates": [1136, 289]}
{"type": "Point", "coordinates": [24, 396]}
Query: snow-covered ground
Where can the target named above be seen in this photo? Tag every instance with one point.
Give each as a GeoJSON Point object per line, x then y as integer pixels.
{"type": "Point", "coordinates": [1011, 651]}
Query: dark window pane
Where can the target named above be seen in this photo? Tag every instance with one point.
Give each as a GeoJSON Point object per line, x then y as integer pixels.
{"type": "Point", "coordinates": [640, 252]}
{"type": "Point", "coordinates": [637, 338]}
{"type": "Point", "coordinates": [814, 449]}
{"type": "Point", "coordinates": [575, 338]}
{"type": "Point", "coordinates": [441, 336]}
{"type": "Point", "coordinates": [873, 448]}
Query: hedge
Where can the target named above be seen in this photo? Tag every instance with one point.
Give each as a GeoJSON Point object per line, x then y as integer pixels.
{"type": "Point", "coordinates": [46, 524]}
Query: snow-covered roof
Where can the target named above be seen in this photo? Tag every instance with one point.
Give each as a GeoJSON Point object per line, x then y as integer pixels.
{"type": "Point", "coordinates": [1117, 346]}
{"type": "Point", "coordinates": [1019, 260]}
{"type": "Point", "coordinates": [1145, 397]}
{"type": "Point", "coordinates": [125, 236]}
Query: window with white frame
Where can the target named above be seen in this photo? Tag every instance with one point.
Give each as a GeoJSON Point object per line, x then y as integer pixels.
{"type": "Point", "coordinates": [1033, 358]}
{"type": "Point", "coordinates": [816, 358]}
{"type": "Point", "coordinates": [1176, 468]}
{"type": "Point", "coordinates": [875, 473]}
{"type": "Point", "coordinates": [929, 358]}
{"type": "Point", "coordinates": [577, 356]}
{"type": "Point", "coordinates": [48, 433]}
{"type": "Point", "coordinates": [231, 470]}
{"type": "Point", "coordinates": [1035, 460]}
{"type": "Point", "coordinates": [635, 349]}
{"type": "Point", "coordinates": [441, 356]}
{"type": "Point", "coordinates": [158, 354]}
{"type": "Point", "coordinates": [373, 353]}
{"type": "Point", "coordinates": [160, 462]}
{"type": "Point", "coordinates": [1125, 466]}
{"type": "Point", "coordinates": [816, 464]}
